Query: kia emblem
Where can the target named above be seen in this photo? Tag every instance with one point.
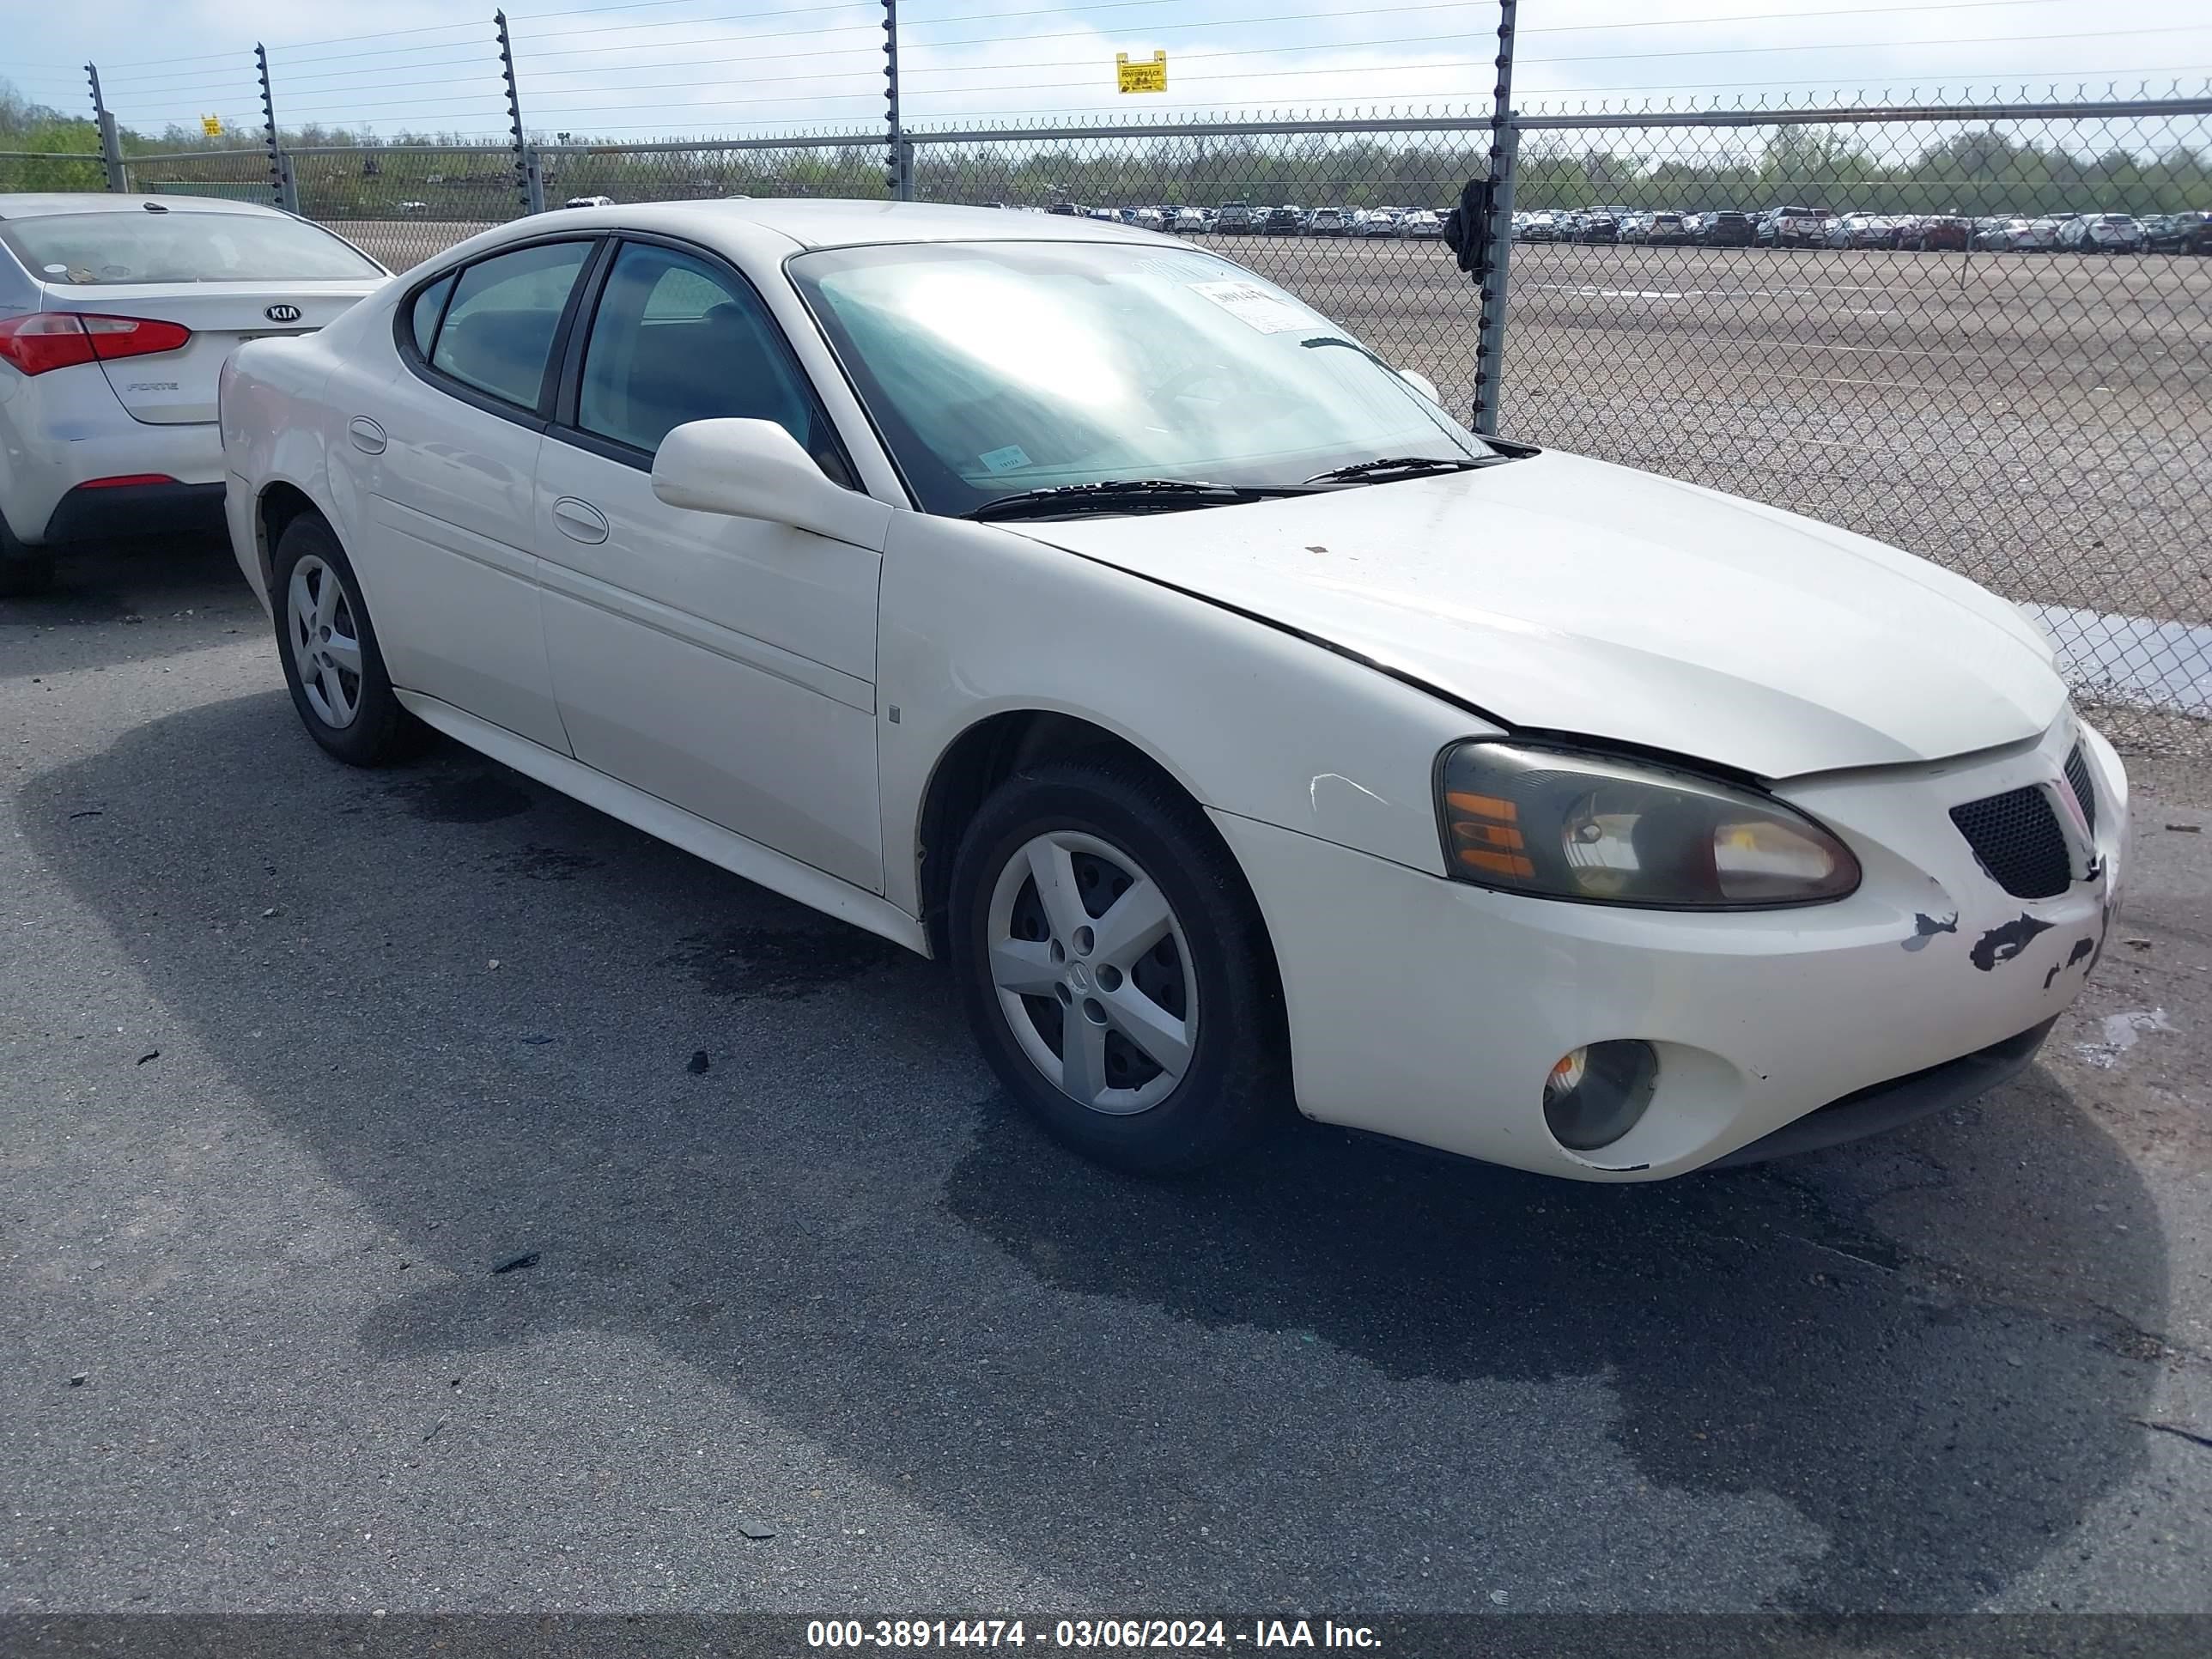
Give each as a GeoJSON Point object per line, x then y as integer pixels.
{"type": "Point", "coordinates": [283, 313]}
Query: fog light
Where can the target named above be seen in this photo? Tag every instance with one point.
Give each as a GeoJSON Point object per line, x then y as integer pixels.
{"type": "Point", "coordinates": [1595, 1094]}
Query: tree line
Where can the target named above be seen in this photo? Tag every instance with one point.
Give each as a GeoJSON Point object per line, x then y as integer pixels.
{"type": "Point", "coordinates": [1973, 170]}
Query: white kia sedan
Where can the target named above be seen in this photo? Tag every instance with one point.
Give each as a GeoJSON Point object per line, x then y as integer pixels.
{"type": "Point", "coordinates": [1073, 605]}
{"type": "Point", "coordinates": [116, 313]}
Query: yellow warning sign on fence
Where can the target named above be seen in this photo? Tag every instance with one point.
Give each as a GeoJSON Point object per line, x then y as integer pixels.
{"type": "Point", "coordinates": [1141, 77]}
{"type": "Point", "coordinates": [211, 126]}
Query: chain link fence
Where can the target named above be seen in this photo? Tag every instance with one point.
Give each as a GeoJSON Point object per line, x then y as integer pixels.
{"type": "Point", "coordinates": [46, 170]}
{"type": "Point", "coordinates": [1984, 335]}
{"type": "Point", "coordinates": [402, 203]}
{"type": "Point", "coordinates": [1986, 340]}
{"type": "Point", "coordinates": [1982, 332]}
{"type": "Point", "coordinates": [238, 175]}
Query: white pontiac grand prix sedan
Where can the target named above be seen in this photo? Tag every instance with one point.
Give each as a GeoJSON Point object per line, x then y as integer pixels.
{"type": "Point", "coordinates": [1071, 603]}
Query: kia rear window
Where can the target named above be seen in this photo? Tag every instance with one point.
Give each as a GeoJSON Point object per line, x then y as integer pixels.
{"type": "Point", "coordinates": [106, 248]}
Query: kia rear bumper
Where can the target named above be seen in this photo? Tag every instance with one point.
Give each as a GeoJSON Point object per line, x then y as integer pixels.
{"type": "Point", "coordinates": [121, 511]}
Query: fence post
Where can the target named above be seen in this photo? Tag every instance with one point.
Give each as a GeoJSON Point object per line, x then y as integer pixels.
{"type": "Point", "coordinates": [110, 141]}
{"type": "Point", "coordinates": [1490, 343]}
{"type": "Point", "coordinates": [528, 182]}
{"type": "Point", "coordinates": [1498, 234]}
{"type": "Point", "coordinates": [269, 128]}
{"type": "Point", "coordinates": [898, 171]}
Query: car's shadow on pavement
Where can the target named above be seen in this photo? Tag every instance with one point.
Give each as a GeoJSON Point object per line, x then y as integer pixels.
{"type": "Point", "coordinates": [118, 602]}
{"type": "Point", "coordinates": [1371, 1376]}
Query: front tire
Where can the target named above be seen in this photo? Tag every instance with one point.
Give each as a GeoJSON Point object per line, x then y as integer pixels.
{"type": "Point", "coordinates": [333, 663]}
{"type": "Point", "coordinates": [1114, 968]}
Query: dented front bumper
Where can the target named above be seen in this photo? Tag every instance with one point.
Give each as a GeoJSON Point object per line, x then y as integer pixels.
{"type": "Point", "coordinates": [1433, 1011]}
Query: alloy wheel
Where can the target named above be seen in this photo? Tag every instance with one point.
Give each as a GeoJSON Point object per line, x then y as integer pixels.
{"type": "Point", "coordinates": [1092, 972]}
{"type": "Point", "coordinates": [319, 616]}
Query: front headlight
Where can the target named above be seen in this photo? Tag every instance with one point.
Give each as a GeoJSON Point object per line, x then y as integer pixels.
{"type": "Point", "coordinates": [1559, 824]}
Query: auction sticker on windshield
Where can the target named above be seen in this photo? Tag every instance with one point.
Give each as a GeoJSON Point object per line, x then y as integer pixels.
{"type": "Point", "coordinates": [1254, 305]}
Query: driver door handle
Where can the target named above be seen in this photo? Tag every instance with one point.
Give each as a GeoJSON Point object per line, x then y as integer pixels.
{"type": "Point", "coordinates": [579, 521]}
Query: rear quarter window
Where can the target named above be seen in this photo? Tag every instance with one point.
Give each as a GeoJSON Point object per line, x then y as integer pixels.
{"type": "Point", "coordinates": [429, 307]}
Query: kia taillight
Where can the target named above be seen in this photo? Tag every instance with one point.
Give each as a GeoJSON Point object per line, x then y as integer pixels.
{"type": "Point", "coordinates": [44, 340]}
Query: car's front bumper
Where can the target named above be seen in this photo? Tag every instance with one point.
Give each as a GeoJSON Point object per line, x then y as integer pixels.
{"type": "Point", "coordinates": [1433, 1010]}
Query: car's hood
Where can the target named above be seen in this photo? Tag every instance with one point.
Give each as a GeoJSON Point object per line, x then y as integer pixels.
{"type": "Point", "coordinates": [1568, 595]}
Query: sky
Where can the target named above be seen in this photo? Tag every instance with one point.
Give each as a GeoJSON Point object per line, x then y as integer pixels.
{"type": "Point", "coordinates": [698, 68]}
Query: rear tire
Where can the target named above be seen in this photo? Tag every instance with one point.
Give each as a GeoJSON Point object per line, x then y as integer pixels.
{"type": "Point", "coordinates": [1175, 1011]}
{"type": "Point", "coordinates": [332, 663]}
{"type": "Point", "coordinates": [23, 570]}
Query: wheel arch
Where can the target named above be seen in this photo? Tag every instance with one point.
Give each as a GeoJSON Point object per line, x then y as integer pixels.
{"type": "Point", "coordinates": [280, 502]}
{"type": "Point", "coordinates": [985, 754]}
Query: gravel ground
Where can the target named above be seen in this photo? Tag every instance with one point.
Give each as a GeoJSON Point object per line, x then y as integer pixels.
{"type": "Point", "coordinates": [296, 1057]}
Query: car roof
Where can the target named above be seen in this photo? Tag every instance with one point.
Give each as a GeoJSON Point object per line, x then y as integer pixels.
{"type": "Point", "coordinates": [822, 221]}
{"type": "Point", "coordinates": [31, 205]}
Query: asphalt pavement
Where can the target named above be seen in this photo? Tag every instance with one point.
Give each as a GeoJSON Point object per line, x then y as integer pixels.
{"type": "Point", "coordinates": [372, 1236]}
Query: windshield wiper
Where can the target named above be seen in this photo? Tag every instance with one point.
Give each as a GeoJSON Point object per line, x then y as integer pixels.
{"type": "Point", "coordinates": [1409, 465]}
{"type": "Point", "coordinates": [1125, 496]}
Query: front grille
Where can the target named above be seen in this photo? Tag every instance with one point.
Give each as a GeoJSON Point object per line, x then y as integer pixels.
{"type": "Point", "coordinates": [2077, 777]}
{"type": "Point", "coordinates": [2017, 838]}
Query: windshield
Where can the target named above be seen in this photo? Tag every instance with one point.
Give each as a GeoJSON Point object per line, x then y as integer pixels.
{"type": "Point", "coordinates": [995, 368]}
{"type": "Point", "coordinates": [180, 247]}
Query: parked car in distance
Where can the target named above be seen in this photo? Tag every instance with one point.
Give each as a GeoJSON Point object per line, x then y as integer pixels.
{"type": "Point", "coordinates": [1667, 229]}
{"type": "Point", "coordinates": [1328, 222]}
{"type": "Point", "coordinates": [1172, 915]}
{"type": "Point", "coordinates": [1792, 227]}
{"type": "Point", "coordinates": [1725, 227]}
{"type": "Point", "coordinates": [1937, 232]}
{"type": "Point", "coordinates": [1235, 219]}
{"type": "Point", "coordinates": [117, 313]}
{"type": "Point", "coordinates": [1631, 227]}
{"type": "Point", "coordinates": [1148, 218]}
{"type": "Point", "coordinates": [2101, 232]}
{"type": "Point", "coordinates": [1284, 221]}
{"type": "Point", "coordinates": [589, 202]}
{"type": "Point", "coordinates": [1861, 230]}
{"type": "Point", "coordinates": [1598, 224]}
{"type": "Point", "coordinates": [2178, 232]}
{"type": "Point", "coordinates": [1379, 221]}
{"type": "Point", "coordinates": [1540, 225]}
{"type": "Point", "coordinates": [412, 208]}
{"type": "Point", "coordinates": [1188, 221]}
{"type": "Point", "coordinates": [1419, 224]}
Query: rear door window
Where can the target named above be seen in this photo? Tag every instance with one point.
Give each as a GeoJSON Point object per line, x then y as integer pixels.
{"type": "Point", "coordinates": [497, 335]}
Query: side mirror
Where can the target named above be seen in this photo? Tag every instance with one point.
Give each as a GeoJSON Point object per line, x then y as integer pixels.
{"type": "Point", "coordinates": [1422, 384]}
{"type": "Point", "coordinates": [756, 470]}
